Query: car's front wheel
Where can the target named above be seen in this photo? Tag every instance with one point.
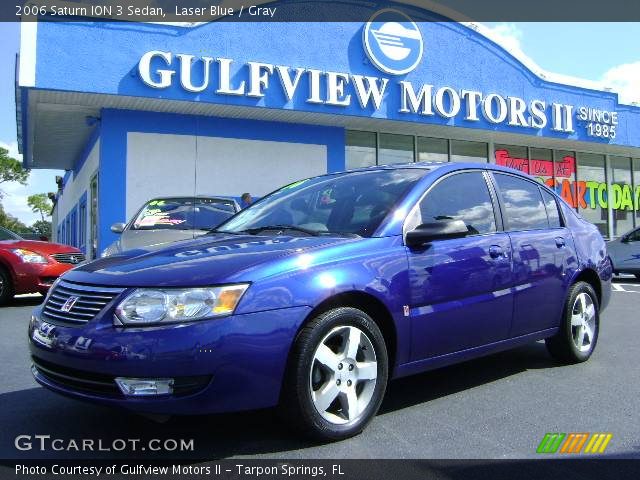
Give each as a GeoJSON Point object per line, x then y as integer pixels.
{"type": "Point", "coordinates": [578, 334]}
{"type": "Point", "coordinates": [337, 375]}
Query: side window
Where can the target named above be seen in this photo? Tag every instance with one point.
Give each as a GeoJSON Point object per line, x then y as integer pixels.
{"type": "Point", "coordinates": [463, 196]}
{"type": "Point", "coordinates": [634, 236]}
{"type": "Point", "coordinates": [522, 202]}
{"type": "Point", "coordinates": [552, 209]}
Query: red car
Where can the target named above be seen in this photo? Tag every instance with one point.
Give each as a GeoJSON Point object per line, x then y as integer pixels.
{"type": "Point", "coordinates": [29, 266]}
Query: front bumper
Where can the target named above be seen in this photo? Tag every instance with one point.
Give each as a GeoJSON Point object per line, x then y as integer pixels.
{"type": "Point", "coordinates": [37, 277]}
{"type": "Point", "coordinates": [238, 361]}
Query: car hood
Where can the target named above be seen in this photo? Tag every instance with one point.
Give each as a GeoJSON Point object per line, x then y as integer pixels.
{"type": "Point", "coordinates": [207, 260]}
{"type": "Point", "coordinates": [43, 248]}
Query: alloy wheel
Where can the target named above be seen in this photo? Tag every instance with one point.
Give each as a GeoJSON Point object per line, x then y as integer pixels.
{"type": "Point", "coordinates": [343, 375]}
{"type": "Point", "coordinates": [583, 322]}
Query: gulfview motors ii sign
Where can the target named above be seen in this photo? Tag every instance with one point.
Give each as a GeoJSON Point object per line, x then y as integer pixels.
{"type": "Point", "coordinates": [395, 46]}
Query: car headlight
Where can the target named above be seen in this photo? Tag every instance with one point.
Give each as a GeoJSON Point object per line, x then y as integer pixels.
{"type": "Point", "coordinates": [27, 256]}
{"type": "Point", "coordinates": [148, 306]}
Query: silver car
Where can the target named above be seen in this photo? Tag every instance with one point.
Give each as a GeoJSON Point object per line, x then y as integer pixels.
{"type": "Point", "coordinates": [169, 219]}
{"type": "Point", "coordinates": [625, 253]}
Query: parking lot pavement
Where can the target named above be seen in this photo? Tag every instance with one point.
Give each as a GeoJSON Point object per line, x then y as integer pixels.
{"type": "Point", "coordinates": [626, 283]}
{"type": "Point", "coordinates": [499, 406]}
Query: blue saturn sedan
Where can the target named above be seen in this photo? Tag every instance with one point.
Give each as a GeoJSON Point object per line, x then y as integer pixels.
{"type": "Point", "coordinates": [318, 294]}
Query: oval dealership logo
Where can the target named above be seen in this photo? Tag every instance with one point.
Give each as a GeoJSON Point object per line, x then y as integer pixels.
{"type": "Point", "coordinates": [393, 42]}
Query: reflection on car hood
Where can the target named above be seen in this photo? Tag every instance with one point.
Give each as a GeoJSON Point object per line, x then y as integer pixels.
{"type": "Point", "coordinates": [207, 260]}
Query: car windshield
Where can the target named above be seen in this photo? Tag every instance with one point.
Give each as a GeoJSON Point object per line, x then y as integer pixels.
{"type": "Point", "coordinates": [186, 213]}
{"type": "Point", "coordinates": [8, 235]}
{"type": "Point", "coordinates": [350, 203]}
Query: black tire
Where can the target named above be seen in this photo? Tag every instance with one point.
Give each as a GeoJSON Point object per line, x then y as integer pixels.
{"type": "Point", "coordinates": [297, 407]}
{"type": "Point", "coordinates": [6, 286]}
{"type": "Point", "coordinates": [562, 345]}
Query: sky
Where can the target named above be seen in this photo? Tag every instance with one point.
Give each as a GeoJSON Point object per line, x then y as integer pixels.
{"type": "Point", "coordinates": [40, 181]}
{"type": "Point", "coordinates": [603, 52]}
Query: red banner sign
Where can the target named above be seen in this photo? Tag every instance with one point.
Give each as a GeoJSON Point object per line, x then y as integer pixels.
{"type": "Point", "coordinates": [538, 168]}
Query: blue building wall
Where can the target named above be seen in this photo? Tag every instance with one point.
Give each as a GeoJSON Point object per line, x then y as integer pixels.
{"type": "Point", "coordinates": [99, 57]}
{"type": "Point", "coordinates": [72, 218]}
{"type": "Point", "coordinates": [454, 55]}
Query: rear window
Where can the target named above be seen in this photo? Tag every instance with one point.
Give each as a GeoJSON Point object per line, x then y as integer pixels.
{"type": "Point", "coordinates": [552, 209]}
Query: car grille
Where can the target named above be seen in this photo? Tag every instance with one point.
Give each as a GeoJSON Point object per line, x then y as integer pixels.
{"type": "Point", "coordinates": [105, 385]}
{"type": "Point", "coordinates": [72, 258]}
{"type": "Point", "coordinates": [77, 379]}
{"type": "Point", "coordinates": [77, 304]}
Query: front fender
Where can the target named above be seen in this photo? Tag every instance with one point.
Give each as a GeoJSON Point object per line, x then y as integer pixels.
{"type": "Point", "coordinates": [375, 266]}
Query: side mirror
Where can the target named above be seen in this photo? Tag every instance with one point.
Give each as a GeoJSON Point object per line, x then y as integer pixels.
{"type": "Point", "coordinates": [439, 230]}
{"type": "Point", "coordinates": [118, 227]}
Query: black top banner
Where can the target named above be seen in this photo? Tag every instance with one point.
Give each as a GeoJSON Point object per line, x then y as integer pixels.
{"type": "Point", "coordinates": [243, 469]}
{"type": "Point", "coordinates": [195, 11]}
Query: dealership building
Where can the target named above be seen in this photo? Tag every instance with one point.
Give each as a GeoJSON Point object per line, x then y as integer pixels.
{"type": "Point", "coordinates": [134, 111]}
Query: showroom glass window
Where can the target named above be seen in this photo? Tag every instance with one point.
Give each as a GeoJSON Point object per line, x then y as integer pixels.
{"type": "Point", "coordinates": [463, 196]}
{"type": "Point", "coordinates": [524, 209]}
{"type": "Point", "coordinates": [433, 149]}
{"type": "Point", "coordinates": [636, 190]}
{"type": "Point", "coordinates": [592, 192]}
{"type": "Point", "coordinates": [541, 165]}
{"type": "Point", "coordinates": [463, 151]}
{"type": "Point", "coordinates": [564, 171]}
{"type": "Point", "coordinates": [360, 150]}
{"type": "Point", "coordinates": [621, 200]}
{"type": "Point", "coordinates": [395, 149]}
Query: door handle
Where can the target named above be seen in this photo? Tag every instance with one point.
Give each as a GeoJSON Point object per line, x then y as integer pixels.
{"type": "Point", "coordinates": [495, 251]}
{"type": "Point", "coordinates": [560, 242]}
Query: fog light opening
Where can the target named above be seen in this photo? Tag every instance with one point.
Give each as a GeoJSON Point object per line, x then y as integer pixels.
{"type": "Point", "coordinates": [139, 387]}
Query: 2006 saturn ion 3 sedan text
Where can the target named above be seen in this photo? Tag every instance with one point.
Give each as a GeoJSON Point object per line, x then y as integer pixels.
{"type": "Point", "coordinates": [318, 294]}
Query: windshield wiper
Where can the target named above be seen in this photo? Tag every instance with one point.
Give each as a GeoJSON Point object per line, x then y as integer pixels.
{"type": "Point", "coordinates": [230, 232]}
{"type": "Point", "coordinates": [308, 231]}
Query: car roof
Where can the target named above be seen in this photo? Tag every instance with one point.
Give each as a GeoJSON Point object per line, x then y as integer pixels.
{"type": "Point", "coordinates": [448, 166]}
{"type": "Point", "coordinates": [400, 166]}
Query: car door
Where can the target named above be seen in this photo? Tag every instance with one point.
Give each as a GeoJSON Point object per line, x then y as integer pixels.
{"type": "Point", "coordinates": [543, 252]}
{"type": "Point", "coordinates": [459, 287]}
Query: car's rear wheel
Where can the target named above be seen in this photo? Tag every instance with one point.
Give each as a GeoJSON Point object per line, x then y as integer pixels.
{"type": "Point", "coordinates": [578, 334]}
{"type": "Point", "coordinates": [337, 375]}
{"type": "Point", "coordinates": [6, 286]}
